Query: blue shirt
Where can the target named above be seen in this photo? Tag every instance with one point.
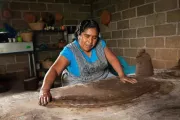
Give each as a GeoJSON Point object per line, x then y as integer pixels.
{"type": "Point", "coordinates": [73, 66]}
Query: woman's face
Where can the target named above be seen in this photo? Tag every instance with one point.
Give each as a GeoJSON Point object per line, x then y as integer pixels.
{"type": "Point", "coordinates": [88, 39]}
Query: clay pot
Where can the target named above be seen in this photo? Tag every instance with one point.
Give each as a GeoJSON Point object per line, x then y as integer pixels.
{"type": "Point", "coordinates": [26, 36]}
{"type": "Point", "coordinates": [29, 17]}
{"type": "Point", "coordinates": [37, 26]}
{"type": "Point", "coordinates": [105, 17]}
{"type": "Point", "coordinates": [58, 17]}
{"type": "Point", "coordinates": [6, 13]}
{"type": "Point", "coordinates": [47, 63]}
{"type": "Point", "coordinates": [62, 27]}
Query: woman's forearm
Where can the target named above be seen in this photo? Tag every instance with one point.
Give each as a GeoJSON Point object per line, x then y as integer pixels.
{"type": "Point", "coordinates": [49, 79]}
{"type": "Point", "coordinates": [56, 69]}
{"type": "Point", "coordinates": [112, 59]}
{"type": "Point", "coordinates": [117, 66]}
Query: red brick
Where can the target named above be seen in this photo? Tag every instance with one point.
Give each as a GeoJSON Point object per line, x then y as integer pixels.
{"type": "Point", "coordinates": [130, 33]}
{"type": "Point", "coordinates": [155, 42]}
{"type": "Point", "coordinates": [155, 19]}
{"type": "Point", "coordinates": [172, 42]}
{"type": "Point", "coordinates": [159, 64]}
{"type": "Point", "coordinates": [21, 58]}
{"type": "Point", "coordinates": [17, 67]}
{"type": "Point", "coordinates": [118, 51]}
{"type": "Point", "coordinates": [106, 35]}
{"type": "Point", "coordinates": [167, 54]}
{"type": "Point", "coordinates": [19, 6]}
{"type": "Point", "coordinates": [129, 13]}
{"type": "Point", "coordinates": [116, 16]}
{"type": "Point", "coordinates": [117, 34]}
{"type": "Point", "coordinates": [164, 5]}
{"type": "Point", "coordinates": [85, 8]}
{"type": "Point", "coordinates": [145, 10]}
{"type": "Point", "coordinates": [170, 64]}
{"type": "Point", "coordinates": [123, 43]}
{"type": "Point", "coordinates": [130, 52]}
{"type": "Point", "coordinates": [137, 22]}
{"type": "Point", "coordinates": [173, 16]}
{"type": "Point", "coordinates": [122, 5]}
{"type": "Point", "coordinates": [55, 7]}
{"type": "Point", "coordinates": [2, 69]}
{"type": "Point", "coordinates": [145, 32]}
{"type": "Point", "coordinates": [112, 43]}
{"type": "Point", "coordinates": [134, 3]}
{"type": "Point", "coordinates": [37, 6]}
{"type": "Point", "coordinates": [167, 29]}
{"type": "Point", "coordinates": [19, 24]}
{"type": "Point", "coordinates": [137, 42]}
{"type": "Point", "coordinates": [7, 59]}
{"type": "Point", "coordinates": [123, 24]}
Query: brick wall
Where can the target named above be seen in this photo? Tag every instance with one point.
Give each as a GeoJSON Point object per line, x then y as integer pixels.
{"type": "Point", "coordinates": [135, 24]}
{"type": "Point", "coordinates": [72, 10]}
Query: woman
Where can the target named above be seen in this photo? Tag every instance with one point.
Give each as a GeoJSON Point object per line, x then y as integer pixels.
{"type": "Point", "coordinates": [86, 59]}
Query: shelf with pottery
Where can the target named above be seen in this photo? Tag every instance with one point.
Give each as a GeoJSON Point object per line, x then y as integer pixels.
{"type": "Point", "coordinates": [50, 47]}
{"type": "Point", "coordinates": [42, 67]}
{"type": "Point", "coordinates": [52, 29]}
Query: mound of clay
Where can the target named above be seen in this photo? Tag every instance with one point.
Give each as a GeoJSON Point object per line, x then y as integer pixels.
{"type": "Point", "coordinates": [144, 65]}
{"type": "Point", "coordinates": [102, 93]}
{"type": "Point", "coordinates": [24, 106]}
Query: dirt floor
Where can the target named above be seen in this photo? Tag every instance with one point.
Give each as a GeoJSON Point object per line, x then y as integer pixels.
{"type": "Point", "coordinates": [153, 98]}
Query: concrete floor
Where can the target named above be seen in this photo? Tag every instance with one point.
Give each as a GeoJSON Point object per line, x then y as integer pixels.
{"type": "Point", "coordinates": [155, 106]}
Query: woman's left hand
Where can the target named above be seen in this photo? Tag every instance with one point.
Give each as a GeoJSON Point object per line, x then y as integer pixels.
{"type": "Point", "coordinates": [128, 79]}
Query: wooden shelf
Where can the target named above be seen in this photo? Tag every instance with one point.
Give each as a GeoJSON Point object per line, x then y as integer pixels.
{"type": "Point", "coordinates": [46, 31]}
{"type": "Point", "coordinates": [48, 49]}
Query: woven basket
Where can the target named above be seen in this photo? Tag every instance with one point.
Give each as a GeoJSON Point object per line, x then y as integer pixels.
{"type": "Point", "coordinates": [26, 36]}
{"type": "Point", "coordinates": [37, 26]}
{"type": "Point", "coordinates": [47, 64]}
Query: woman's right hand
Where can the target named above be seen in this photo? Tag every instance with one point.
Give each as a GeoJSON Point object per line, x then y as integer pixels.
{"type": "Point", "coordinates": [44, 97]}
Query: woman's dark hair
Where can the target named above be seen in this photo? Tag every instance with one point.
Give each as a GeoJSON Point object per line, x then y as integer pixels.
{"type": "Point", "coordinates": [86, 24]}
